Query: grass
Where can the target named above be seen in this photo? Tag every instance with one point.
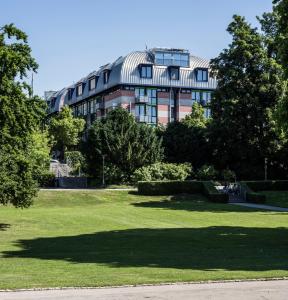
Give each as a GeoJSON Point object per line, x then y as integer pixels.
{"type": "Point", "coordinates": [278, 198]}
{"type": "Point", "coordinates": [102, 238]}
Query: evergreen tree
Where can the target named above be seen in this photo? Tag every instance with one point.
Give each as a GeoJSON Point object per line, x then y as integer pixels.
{"type": "Point", "coordinates": [126, 144]}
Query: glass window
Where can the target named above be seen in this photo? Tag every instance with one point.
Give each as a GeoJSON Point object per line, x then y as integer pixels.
{"type": "Point", "coordinates": [159, 58]}
{"type": "Point", "coordinates": [202, 75]}
{"type": "Point", "coordinates": [174, 73]}
{"type": "Point", "coordinates": [140, 110]}
{"type": "Point", "coordinates": [92, 83]}
{"type": "Point", "coordinates": [106, 76]}
{"type": "Point", "coordinates": [70, 93]}
{"type": "Point", "coordinates": [79, 89]}
{"type": "Point", "coordinates": [146, 72]}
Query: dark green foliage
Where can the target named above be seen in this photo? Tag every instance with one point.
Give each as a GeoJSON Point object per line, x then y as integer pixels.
{"type": "Point", "coordinates": [213, 194]}
{"type": "Point", "coordinates": [46, 179]}
{"type": "Point", "coordinates": [75, 161]}
{"type": "Point", "coordinates": [269, 185]}
{"type": "Point", "coordinates": [65, 130]}
{"type": "Point", "coordinates": [255, 198]}
{"type": "Point", "coordinates": [249, 86]}
{"type": "Point", "coordinates": [178, 187]}
{"type": "Point", "coordinates": [169, 187]}
{"type": "Point", "coordinates": [186, 143]}
{"type": "Point", "coordinates": [206, 172]}
{"type": "Point", "coordinates": [20, 117]}
{"type": "Point", "coordinates": [127, 145]}
{"type": "Point", "coordinates": [162, 172]}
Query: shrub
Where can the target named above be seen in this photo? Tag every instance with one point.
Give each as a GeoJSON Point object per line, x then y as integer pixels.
{"type": "Point", "coordinates": [169, 187]}
{"type": "Point", "coordinates": [75, 160]}
{"type": "Point", "coordinates": [206, 173]}
{"type": "Point", "coordinates": [228, 175]}
{"type": "Point", "coordinates": [162, 172]}
{"type": "Point", "coordinates": [265, 185]}
{"type": "Point", "coordinates": [46, 179]}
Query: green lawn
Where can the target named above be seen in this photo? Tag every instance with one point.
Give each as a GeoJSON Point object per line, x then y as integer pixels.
{"type": "Point", "coordinates": [101, 238]}
{"type": "Point", "coordinates": [278, 198]}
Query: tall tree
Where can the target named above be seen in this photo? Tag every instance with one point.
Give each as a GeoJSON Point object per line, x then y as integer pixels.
{"type": "Point", "coordinates": [126, 144]}
{"type": "Point", "coordinates": [186, 141]}
{"type": "Point", "coordinates": [249, 85]}
{"type": "Point", "coordinates": [20, 116]}
{"type": "Point", "coordinates": [65, 129]}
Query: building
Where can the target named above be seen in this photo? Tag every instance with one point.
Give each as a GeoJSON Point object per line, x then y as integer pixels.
{"type": "Point", "coordinates": [157, 86]}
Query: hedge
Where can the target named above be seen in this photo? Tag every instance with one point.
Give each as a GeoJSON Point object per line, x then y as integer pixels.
{"type": "Point", "coordinates": [252, 196]}
{"type": "Point", "coordinates": [213, 194]}
{"type": "Point", "coordinates": [169, 187]}
{"type": "Point", "coordinates": [268, 185]}
{"type": "Point", "coordinates": [177, 187]}
{"type": "Point", "coordinates": [46, 180]}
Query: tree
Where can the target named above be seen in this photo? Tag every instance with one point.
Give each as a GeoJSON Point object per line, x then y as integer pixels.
{"type": "Point", "coordinates": [249, 85]}
{"type": "Point", "coordinates": [65, 129]}
{"type": "Point", "coordinates": [196, 118]}
{"type": "Point", "coordinates": [275, 26]}
{"type": "Point", "coordinates": [126, 144]}
{"type": "Point", "coordinates": [20, 116]}
{"type": "Point", "coordinates": [186, 141]}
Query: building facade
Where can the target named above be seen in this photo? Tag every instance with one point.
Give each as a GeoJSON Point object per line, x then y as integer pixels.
{"type": "Point", "coordinates": [157, 86]}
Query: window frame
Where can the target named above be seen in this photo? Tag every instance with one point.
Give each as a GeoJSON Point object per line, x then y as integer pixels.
{"type": "Point", "coordinates": [77, 89]}
{"type": "Point", "coordinates": [170, 68]}
{"type": "Point", "coordinates": [202, 70]}
{"type": "Point", "coordinates": [145, 67]}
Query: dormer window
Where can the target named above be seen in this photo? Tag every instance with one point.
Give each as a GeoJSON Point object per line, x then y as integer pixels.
{"type": "Point", "coordinates": [106, 75]}
{"type": "Point", "coordinates": [53, 102]}
{"type": "Point", "coordinates": [145, 71]}
{"type": "Point", "coordinates": [79, 89]}
{"type": "Point", "coordinates": [174, 73]}
{"type": "Point", "coordinates": [70, 93]}
{"type": "Point", "coordinates": [202, 75]}
{"type": "Point", "coordinates": [92, 83]}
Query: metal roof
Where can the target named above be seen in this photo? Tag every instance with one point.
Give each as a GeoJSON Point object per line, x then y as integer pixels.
{"type": "Point", "coordinates": [125, 71]}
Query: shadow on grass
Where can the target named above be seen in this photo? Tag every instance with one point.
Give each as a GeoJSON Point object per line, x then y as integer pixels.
{"type": "Point", "coordinates": [4, 226]}
{"type": "Point", "coordinates": [209, 248]}
{"type": "Point", "coordinates": [191, 202]}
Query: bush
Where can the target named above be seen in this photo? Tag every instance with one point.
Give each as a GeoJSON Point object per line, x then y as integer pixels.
{"type": "Point", "coordinates": [169, 187]}
{"type": "Point", "coordinates": [268, 185]}
{"type": "Point", "coordinates": [75, 160]}
{"type": "Point", "coordinates": [228, 175]}
{"type": "Point", "coordinates": [46, 179]}
{"type": "Point", "coordinates": [255, 198]}
{"type": "Point", "coordinates": [206, 173]}
{"type": "Point", "coordinates": [213, 194]}
{"type": "Point", "coordinates": [162, 172]}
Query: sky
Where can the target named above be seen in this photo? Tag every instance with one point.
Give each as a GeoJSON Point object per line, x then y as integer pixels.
{"type": "Point", "coordinates": [71, 38]}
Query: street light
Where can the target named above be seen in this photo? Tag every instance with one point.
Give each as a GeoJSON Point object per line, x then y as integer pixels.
{"type": "Point", "coordinates": [103, 169]}
{"type": "Point", "coordinates": [265, 168]}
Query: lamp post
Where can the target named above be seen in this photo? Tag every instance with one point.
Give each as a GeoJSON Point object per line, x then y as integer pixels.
{"type": "Point", "coordinates": [265, 168]}
{"type": "Point", "coordinates": [103, 170]}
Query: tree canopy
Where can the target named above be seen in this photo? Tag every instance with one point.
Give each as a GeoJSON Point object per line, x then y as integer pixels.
{"type": "Point", "coordinates": [126, 144]}
{"type": "Point", "coordinates": [20, 116]}
{"type": "Point", "coordinates": [249, 86]}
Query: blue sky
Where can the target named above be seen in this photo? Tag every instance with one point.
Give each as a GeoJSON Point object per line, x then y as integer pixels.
{"type": "Point", "coordinates": [70, 38]}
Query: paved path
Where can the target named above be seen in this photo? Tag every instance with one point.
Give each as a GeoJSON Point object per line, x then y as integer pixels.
{"type": "Point", "coordinates": [262, 206]}
{"type": "Point", "coordinates": [253, 290]}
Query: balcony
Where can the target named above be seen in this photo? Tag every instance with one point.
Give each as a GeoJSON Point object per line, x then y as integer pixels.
{"type": "Point", "coordinates": [142, 119]}
{"type": "Point", "coordinates": [141, 99]}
